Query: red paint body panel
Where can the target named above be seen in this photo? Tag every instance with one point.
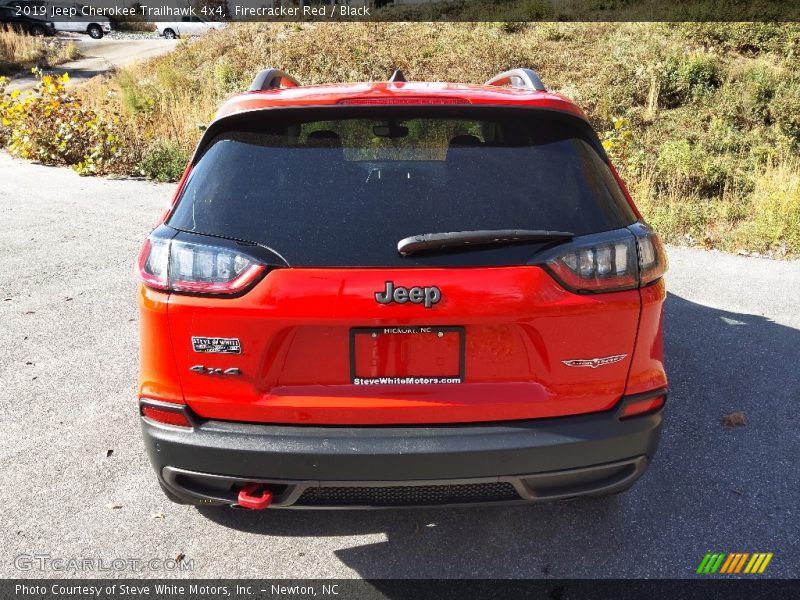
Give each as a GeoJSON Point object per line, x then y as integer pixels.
{"type": "Point", "coordinates": [330, 95]}
{"type": "Point", "coordinates": [294, 328]}
{"type": "Point", "coordinates": [158, 371]}
{"type": "Point", "coordinates": [647, 369]}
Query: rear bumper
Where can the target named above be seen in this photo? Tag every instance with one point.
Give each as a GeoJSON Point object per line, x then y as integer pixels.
{"type": "Point", "coordinates": [368, 467]}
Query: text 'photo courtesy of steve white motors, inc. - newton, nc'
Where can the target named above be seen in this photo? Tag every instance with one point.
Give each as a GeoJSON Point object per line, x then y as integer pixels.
{"type": "Point", "coordinates": [168, 590]}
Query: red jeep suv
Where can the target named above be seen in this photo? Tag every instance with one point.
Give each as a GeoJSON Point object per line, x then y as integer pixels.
{"type": "Point", "coordinates": [400, 294]}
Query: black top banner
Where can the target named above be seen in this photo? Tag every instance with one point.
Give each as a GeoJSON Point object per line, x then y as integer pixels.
{"type": "Point", "coordinates": [197, 11]}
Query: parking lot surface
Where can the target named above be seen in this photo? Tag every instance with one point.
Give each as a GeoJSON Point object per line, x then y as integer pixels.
{"type": "Point", "coordinates": [77, 483]}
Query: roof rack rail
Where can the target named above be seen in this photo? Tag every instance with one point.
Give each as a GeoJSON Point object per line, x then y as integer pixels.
{"type": "Point", "coordinates": [397, 77]}
{"type": "Point", "coordinates": [272, 79]}
{"type": "Point", "coordinates": [519, 78]}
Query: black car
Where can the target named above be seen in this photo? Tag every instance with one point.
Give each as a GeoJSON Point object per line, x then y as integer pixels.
{"type": "Point", "coordinates": [9, 19]}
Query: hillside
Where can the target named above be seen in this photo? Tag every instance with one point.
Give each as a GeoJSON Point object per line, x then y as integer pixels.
{"type": "Point", "coordinates": [703, 120]}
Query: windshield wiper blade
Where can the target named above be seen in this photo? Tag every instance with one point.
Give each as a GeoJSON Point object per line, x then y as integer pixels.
{"type": "Point", "coordinates": [431, 242]}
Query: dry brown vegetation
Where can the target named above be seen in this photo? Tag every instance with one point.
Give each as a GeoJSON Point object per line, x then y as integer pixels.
{"type": "Point", "coordinates": [23, 51]}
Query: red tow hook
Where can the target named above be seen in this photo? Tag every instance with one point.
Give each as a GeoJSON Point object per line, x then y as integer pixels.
{"type": "Point", "coordinates": [254, 496]}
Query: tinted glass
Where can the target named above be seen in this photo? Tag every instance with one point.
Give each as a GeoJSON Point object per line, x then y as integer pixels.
{"type": "Point", "coordinates": [344, 192]}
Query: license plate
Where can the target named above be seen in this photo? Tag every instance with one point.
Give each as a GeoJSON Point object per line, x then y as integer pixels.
{"type": "Point", "coordinates": [406, 355]}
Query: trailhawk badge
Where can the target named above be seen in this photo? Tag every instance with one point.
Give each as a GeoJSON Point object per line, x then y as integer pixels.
{"type": "Point", "coordinates": [593, 363]}
{"type": "Point", "coordinates": [216, 345]}
{"type": "Point", "coordinates": [427, 296]}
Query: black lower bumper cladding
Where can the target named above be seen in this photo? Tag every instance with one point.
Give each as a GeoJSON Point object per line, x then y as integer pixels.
{"type": "Point", "coordinates": [396, 466]}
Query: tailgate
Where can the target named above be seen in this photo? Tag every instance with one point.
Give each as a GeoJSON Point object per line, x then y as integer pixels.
{"type": "Point", "coordinates": [370, 346]}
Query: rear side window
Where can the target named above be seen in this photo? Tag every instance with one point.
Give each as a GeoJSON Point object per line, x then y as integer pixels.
{"type": "Point", "coordinates": [343, 192]}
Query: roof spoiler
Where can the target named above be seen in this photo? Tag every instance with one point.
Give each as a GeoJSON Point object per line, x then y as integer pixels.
{"type": "Point", "coordinates": [272, 79]}
{"type": "Point", "coordinates": [397, 77]}
{"type": "Point", "coordinates": [275, 79]}
{"type": "Point", "coordinates": [526, 79]}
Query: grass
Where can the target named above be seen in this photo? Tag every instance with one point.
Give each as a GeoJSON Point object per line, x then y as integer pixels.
{"type": "Point", "coordinates": [590, 10]}
{"type": "Point", "coordinates": [21, 52]}
{"type": "Point", "coordinates": [702, 119]}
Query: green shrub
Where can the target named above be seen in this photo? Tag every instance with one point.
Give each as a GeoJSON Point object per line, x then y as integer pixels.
{"type": "Point", "coordinates": [745, 38]}
{"type": "Point", "coordinates": [760, 87]}
{"type": "Point", "coordinates": [785, 109]}
{"type": "Point", "coordinates": [618, 143]}
{"type": "Point", "coordinates": [691, 78]}
{"type": "Point", "coordinates": [227, 79]}
{"type": "Point", "coordinates": [136, 98]}
{"type": "Point", "coordinates": [775, 210]}
{"type": "Point", "coordinates": [53, 127]}
{"type": "Point", "coordinates": [746, 98]}
{"type": "Point", "coordinates": [163, 160]}
{"type": "Point", "coordinates": [723, 137]}
{"type": "Point", "coordinates": [513, 26]}
{"type": "Point", "coordinates": [683, 166]}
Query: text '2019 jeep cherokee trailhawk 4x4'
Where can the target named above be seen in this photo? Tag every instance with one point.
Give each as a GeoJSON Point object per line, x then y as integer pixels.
{"type": "Point", "coordinates": [400, 294]}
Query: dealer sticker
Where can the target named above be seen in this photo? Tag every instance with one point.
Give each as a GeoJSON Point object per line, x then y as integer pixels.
{"type": "Point", "coordinates": [216, 345]}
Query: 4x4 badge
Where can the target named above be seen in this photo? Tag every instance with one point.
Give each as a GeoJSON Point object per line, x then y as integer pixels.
{"type": "Point", "coordinates": [593, 363]}
{"type": "Point", "coordinates": [428, 296]}
{"type": "Point", "coordinates": [214, 370]}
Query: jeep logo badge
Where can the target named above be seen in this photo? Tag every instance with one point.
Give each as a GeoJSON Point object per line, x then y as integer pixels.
{"type": "Point", "coordinates": [428, 296]}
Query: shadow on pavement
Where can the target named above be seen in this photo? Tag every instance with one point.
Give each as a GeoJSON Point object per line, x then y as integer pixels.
{"type": "Point", "coordinates": [709, 487]}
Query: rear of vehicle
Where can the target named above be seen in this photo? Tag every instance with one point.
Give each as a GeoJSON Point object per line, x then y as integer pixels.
{"type": "Point", "coordinates": [403, 297]}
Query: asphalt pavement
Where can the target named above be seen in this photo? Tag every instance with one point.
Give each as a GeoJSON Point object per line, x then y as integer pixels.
{"type": "Point", "coordinates": [77, 484]}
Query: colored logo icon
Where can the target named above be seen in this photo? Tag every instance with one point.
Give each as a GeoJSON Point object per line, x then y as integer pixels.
{"type": "Point", "coordinates": [734, 562]}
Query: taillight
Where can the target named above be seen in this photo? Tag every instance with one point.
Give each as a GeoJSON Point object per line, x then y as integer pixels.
{"type": "Point", "coordinates": [607, 263]}
{"type": "Point", "coordinates": [166, 416]}
{"type": "Point", "coordinates": [154, 263]}
{"type": "Point", "coordinates": [599, 267]}
{"type": "Point", "coordinates": [643, 406]}
{"type": "Point", "coordinates": [198, 268]}
{"type": "Point", "coordinates": [652, 257]}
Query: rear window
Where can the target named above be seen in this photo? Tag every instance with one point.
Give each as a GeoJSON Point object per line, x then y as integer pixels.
{"type": "Point", "coordinates": [343, 192]}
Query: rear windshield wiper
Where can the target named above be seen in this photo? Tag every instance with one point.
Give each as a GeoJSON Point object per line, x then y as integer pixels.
{"type": "Point", "coordinates": [431, 242]}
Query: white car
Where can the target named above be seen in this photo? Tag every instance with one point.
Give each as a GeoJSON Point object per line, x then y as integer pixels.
{"type": "Point", "coordinates": [187, 26]}
{"type": "Point", "coordinates": [95, 26]}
